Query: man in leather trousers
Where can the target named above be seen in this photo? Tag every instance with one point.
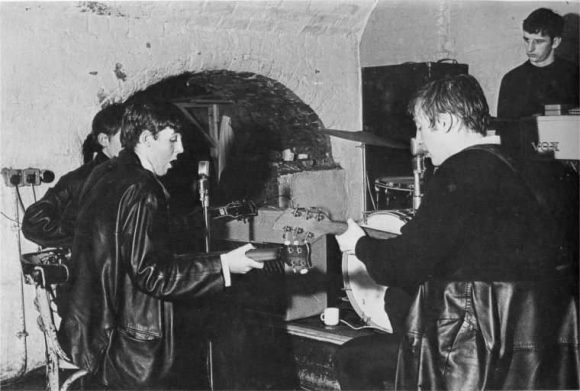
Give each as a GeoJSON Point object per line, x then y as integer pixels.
{"type": "Point", "coordinates": [119, 323]}
{"type": "Point", "coordinates": [493, 308]}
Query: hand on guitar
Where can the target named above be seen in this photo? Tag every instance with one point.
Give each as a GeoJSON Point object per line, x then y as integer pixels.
{"type": "Point", "coordinates": [238, 262]}
{"type": "Point", "coordinates": [347, 240]}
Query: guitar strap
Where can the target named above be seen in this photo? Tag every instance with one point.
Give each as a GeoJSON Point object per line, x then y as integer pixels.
{"type": "Point", "coordinates": [491, 148]}
{"type": "Point", "coordinates": [548, 211]}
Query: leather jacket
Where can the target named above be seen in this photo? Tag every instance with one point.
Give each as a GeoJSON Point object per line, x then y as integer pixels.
{"type": "Point", "coordinates": [473, 335]}
{"type": "Point", "coordinates": [119, 321]}
{"type": "Point", "coordinates": [49, 222]}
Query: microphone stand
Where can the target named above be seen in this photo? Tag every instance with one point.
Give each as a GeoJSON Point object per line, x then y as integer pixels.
{"type": "Point", "coordinates": [204, 198]}
{"type": "Point", "coordinates": [418, 151]}
{"type": "Point", "coordinates": [418, 170]}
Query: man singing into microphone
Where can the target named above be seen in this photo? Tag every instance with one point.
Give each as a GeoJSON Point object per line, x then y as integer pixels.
{"type": "Point", "coordinates": [119, 324]}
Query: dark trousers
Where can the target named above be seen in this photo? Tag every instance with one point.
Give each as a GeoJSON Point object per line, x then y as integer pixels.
{"type": "Point", "coordinates": [247, 352]}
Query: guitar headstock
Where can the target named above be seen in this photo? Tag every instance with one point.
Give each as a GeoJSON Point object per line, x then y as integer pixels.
{"type": "Point", "coordinates": [297, 256]}
{"type": "Point", "coordinates": [300, 226]}
{"type": "Point", "coordinates": [238, 210]}
{"type": "Point", "coordinates": [308, 222]}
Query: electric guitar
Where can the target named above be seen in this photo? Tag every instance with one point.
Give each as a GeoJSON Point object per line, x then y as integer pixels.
{"type": "Point", "coordinates": [295, 256]}
{"type": "Point", "coordinates": [307, 224]}
{"type": "Point", "coordinates": [313, 222]}
{"type": "Point", "coordinates": [299, 226]}
{"type": "Point", "coordinates": [310, 222]}
{"type": "Point", "coordinates": [238, 210]}
{"type": "Point", "coordinates": [295, 253]}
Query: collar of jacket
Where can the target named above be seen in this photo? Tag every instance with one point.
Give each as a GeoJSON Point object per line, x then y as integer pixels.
{"type": "Point", "coordinates": [131, 158]}
{"type": "Point", "coordinates": [100, 158]}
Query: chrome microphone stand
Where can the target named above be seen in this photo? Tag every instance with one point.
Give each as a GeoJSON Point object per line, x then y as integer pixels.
{"type": "Point", "coordinates": [204, 197]}
{"type": "Point", "coordinates": [418, 152]}
{"type": "Point", "coordinates": [203, 172]}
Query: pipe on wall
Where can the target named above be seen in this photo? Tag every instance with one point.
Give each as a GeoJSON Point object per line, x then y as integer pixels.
{"type": "Point", "coordinates": [20, 361]}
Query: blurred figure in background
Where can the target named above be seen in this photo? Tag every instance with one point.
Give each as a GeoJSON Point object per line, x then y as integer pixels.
{"type": "Point", "coordinates": [49, 222]}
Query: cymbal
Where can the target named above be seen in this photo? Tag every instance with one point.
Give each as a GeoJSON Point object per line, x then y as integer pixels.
{"type": "Point", "coordinates": [366, 138]}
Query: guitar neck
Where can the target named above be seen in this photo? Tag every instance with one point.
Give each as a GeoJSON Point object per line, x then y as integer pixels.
{"type": "Point", "coordinates": [236, 210]}
{"type": "Point", "coordinates": [335, 227]}
{"type": "Point", "coordinates": [218, 212]}
{"type": "Point", "coordinates": [264, 254]}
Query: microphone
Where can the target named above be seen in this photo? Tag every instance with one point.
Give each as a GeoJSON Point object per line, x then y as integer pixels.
{"type": "Point", "coordinates": [47, 176]}
{"type": "Point", "coordinates": [419, 152]}
{"type": "Point", "coordinates": [203, 173]}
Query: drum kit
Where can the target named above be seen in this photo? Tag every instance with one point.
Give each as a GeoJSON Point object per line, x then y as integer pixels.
{"type": "Point", "coordinates": [364, 294]}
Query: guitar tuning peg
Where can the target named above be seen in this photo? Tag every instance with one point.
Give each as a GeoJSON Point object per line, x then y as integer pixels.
{"type": "Point", "coordinates": [309, 235]}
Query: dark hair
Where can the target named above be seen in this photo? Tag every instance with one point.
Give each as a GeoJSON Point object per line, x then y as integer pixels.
{"type": "Point", "coordinates": [544, 21]}
{"type": "Point", "coordinates": [150, 115]}
{"type": "Point", "coordinates": [107, 121]}
{"type": "Point", "coordinates": [460, 95]}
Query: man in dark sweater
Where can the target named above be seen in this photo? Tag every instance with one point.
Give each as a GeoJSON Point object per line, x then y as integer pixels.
{"type": "Point", "coordinates": [544, 78]}
{"type": "Point", "coordinates": [483, 251]}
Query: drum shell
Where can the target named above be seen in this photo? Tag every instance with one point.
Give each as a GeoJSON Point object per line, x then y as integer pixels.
{"type": "Point", "coordinates": [364, 294]}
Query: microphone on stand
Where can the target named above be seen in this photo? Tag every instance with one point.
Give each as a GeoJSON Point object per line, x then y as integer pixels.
{"type": "Point", "coordinates": [203, 173]}
{"type": "Point", "coordinates": [418, 151]}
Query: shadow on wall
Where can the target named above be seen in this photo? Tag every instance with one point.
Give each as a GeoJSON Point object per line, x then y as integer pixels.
{"type": "Point", "coordinates": [570, 40]}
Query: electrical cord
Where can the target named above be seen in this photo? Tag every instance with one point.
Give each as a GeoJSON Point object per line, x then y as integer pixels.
{"type": "Point", "coordinates": [11, 219]}
{"type": "Point", "coordinates": [21, 203]}
{"type": "Point", "coordinates": [361, 327]}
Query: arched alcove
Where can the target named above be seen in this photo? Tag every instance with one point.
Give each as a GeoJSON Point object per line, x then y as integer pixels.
{"type": "Point", "coordinates": [255, 118]}
{"type": "Point", "coordinates": [241, 123]}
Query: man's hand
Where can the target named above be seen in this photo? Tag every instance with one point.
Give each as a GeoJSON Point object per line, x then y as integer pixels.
{"type": "Point", "coordinates": [347, 241]}
{"type": "Point", "coordinates": [238, 262]}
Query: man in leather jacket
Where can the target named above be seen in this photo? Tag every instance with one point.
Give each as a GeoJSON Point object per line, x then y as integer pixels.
{"type": "Point", "coordinates": [492, 310]}
{"type": "Point", "coordinates": [119, 322]}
